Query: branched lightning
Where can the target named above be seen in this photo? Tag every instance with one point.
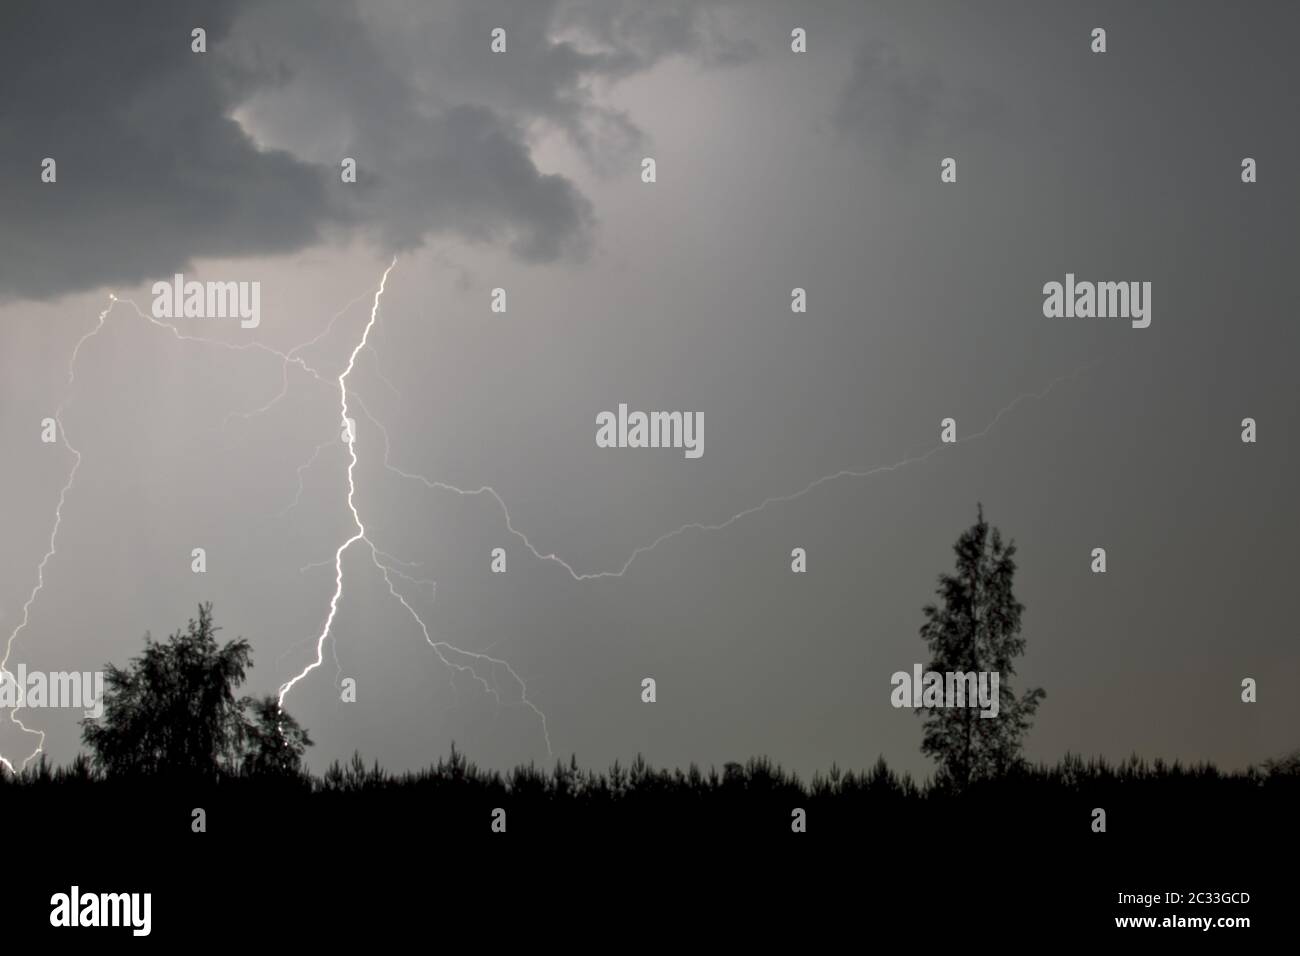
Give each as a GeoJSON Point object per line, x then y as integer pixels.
{"type": "Point", "coordinates": [291, 358]}
{"type": "Point", "coordinates": [394, 560]}
{"type": "Point", "coordinates": [360, 532]}
{"type": "Point", "coordinates": [288, 358]}
{"type": "Point", "coordinates": [698, 526]}
{"type": "Point", "coordinates": [49, 554]}
{"type": "Point", "coordinates": [297, 497]}
{"type": "Point", "coordinates": [441, 648]}
{"type": "Point", "coordinates": [480, 666]}
{"type": "Point", "coordinates": [385, 562]}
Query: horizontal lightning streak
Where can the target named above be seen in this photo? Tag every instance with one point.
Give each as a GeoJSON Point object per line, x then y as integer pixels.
{"type": "Point", "coordinates": [180, 336]}
{"type": "Point", "coordinates": [697, 526]}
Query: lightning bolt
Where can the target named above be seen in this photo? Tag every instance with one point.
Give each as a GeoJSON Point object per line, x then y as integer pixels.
{"type": "Point", "coordinates": [301, 472]}
{"type": "Point", "coordinates": [386, 563]}
{"type": "Point", "coordinates": [456, 659]}
{"type": "Point", "coordinates": [5, 675]}
{"type": "Point", "coordinates": [360, 532]}
{"type": "Point", "coordinates": [288, 358]}
{"type": "Point", "coordinates": [441, 648]}
{"type": "Point", "coordinates": [728, 522]}
{"type": "Point", "coordinates": [291, 358]}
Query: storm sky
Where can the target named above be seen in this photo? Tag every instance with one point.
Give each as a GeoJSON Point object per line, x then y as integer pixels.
{"type": "Point", "coordinates": [522, 170]}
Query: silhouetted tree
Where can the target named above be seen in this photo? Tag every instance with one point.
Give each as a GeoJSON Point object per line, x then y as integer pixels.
{"type": "Point", "coordinates": [273, 741]}
{"type": "Point", "coordinates": [977, 628]}
{"type": "Point", "coordinates": [1287, 765]}
{"type": "Point", "coordinates": [173, 711]}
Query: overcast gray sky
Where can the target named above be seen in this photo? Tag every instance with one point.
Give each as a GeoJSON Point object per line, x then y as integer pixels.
{"type": "Point", "coordinates": [776, 169]}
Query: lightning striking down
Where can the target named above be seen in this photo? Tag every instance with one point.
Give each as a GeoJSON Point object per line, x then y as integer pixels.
{"type": "Point", "coordinates": [67, 487]}
{"type": "Point", "coordinates": [441, 648]}
{"type": "Point", "coordinates": [54, 535]}
{"type": "Point", "coordinates": [384, 562]}
{"type": "Point", "coordinates": [360, 533]}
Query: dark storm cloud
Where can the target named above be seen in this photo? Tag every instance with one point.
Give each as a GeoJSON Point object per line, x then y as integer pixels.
{"type": "Point", "coordinates": [543, 76]}
{"type": "Point", "coordinates": [631, 37]}
{"type": "Point", "coordinates": [151, 170]}
{"type": "Point", "coordinates": [154, 170]}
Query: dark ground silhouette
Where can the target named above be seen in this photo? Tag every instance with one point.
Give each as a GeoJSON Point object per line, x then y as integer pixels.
{"type": "Point", "coordinates": [989, 837]}
{"type": "Point", "coordinates": [1142, 799]}
{"type": "Point", "coordinates": [352, 844]}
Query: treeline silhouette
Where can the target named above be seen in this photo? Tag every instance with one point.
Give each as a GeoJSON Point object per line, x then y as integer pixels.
{"type": "Point", "coordinates": [1148, 799]}
{"type": "Point", "coordinates": [203, 797]}
{"type": "Point", "coordinates": [175, 738]}
{"type": "Point", "coordinates": [358, 840]}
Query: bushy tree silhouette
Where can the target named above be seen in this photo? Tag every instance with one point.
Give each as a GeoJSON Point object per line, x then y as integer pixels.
{"type": "Point", "coordinates": [977, 628]}
{"type": "Point", "coordinates": [273, 741]}
{"type": "Point", "coordinates": [172, 711]}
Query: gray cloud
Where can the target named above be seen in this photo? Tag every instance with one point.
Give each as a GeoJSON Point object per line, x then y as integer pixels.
{"type": "Point", "coordinates": [895, 104]}
{"type": "Point", "coordinates": [639, 35]}
{"type": "Point", "coordinates": [165, 156]}
{"type": "Point", "coordinates": [151, 169]}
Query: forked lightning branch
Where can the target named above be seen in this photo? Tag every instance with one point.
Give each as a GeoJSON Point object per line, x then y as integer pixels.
{"type": "Point", "coordinates": [181, 300]}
